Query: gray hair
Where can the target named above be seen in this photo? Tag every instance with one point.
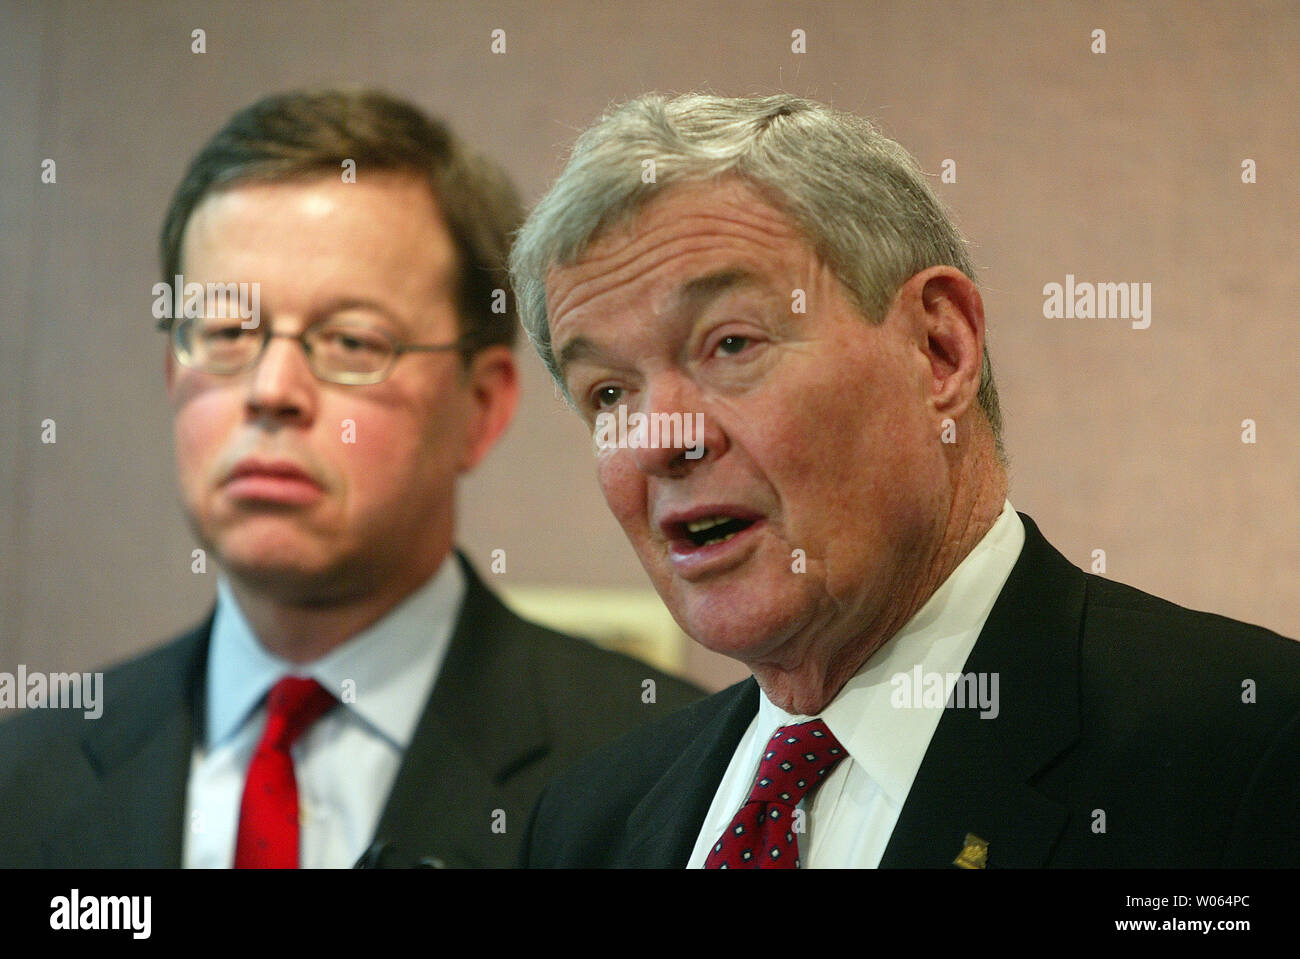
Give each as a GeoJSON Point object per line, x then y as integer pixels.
{"type": "Point", "coordinates": [856, 195]}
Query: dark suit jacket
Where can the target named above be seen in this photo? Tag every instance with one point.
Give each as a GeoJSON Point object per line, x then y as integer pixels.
{"type": "Point", "coordinates": [513, 705]}
{"type": "Point", "coordinates": [1122, 740]}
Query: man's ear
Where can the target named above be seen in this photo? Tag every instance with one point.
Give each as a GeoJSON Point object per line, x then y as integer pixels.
{"type": "Point", "coordinates": [947, 323]}
{"type": "Point", "coordinates": [494, 394]}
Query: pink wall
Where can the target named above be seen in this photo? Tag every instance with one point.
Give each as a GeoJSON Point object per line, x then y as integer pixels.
{"type": "Point", "coordinates": [1122, 166]}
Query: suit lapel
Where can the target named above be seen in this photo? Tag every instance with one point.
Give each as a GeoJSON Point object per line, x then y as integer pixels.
{"type": "Point", "coordinates": [475, 730]}
{"type": "Point", "coordinates": [138, 753]}
{"type": "Point", "coordinates": [975, 775]}
{"type": "Point", "coordinates": [976, 772]}
{"type": "Point", "coordinates": [665, 825]}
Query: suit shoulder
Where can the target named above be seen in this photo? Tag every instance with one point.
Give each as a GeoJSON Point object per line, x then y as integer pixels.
{"type": "Point", "coordinates": [1188, 729]}
{"type": "Point", "coordinates": [1131, 625]}
{"type": "Point", "coordinates": [584, 676]}
{"type": "Point", "coordinates": [1108, 594]}
{"type": "Point", "coordinates": [582, 817]}
{"type": "Point", "coordinates": [571, 673]}
{"type": "Point", "coordinates": [636, 760]}
{"type": "Point", "coordinates": [1161, 673]}
{"type": "Point", "coordinates": [131, 684]}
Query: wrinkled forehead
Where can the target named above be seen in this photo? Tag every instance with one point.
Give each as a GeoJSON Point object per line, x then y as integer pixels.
{"type": "Point", "coordinates": [684, 235]}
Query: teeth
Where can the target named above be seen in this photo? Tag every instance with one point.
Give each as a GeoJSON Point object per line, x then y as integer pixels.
{"type": "Point", "coordinates": [699, 525]}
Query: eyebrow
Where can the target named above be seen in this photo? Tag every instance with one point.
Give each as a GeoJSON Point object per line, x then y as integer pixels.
{"type": "Point", "coordinates": [691, 297]}
{"type": "Point", "coordinates": [578, 348]}
{"type": "Point", "coordinates": [694, 295]}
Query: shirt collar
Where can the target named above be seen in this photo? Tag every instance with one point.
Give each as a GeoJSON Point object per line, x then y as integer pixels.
{"type": "Point", "coordinates": [890, 742]}
{"type": "Point", "coordinates": [383, 674]}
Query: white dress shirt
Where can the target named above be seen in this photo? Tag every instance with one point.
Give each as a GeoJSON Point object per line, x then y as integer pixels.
{"type": "Point", "coordinates": [854, 811]}
{"type": "Point", "coordinates": [346, 762]}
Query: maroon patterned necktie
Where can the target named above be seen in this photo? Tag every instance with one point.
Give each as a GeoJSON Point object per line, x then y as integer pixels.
{"type": "Point", "coordinates": [268, 815]}
{"type": "Point", "coordinates": [763, 835]}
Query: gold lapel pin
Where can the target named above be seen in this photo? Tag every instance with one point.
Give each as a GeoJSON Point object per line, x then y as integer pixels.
{"type": "Point", "coordinates": [974, 855]}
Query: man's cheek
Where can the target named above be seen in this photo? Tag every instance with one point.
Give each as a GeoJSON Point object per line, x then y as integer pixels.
{"type": "Point", "coordinates": [198, 442]}
{"type": "Point", "coordinates": [350, 434]}
{"type": "Point", "coordinates": [365, 447]}
{"type": "Point", "coordinates": [620, 485]}
{"type": "Point", "coordinates": [186, 387]}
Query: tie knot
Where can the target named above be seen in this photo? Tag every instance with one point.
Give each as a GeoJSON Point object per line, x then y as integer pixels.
{"type": "Point", "coordinates": [797, 758]}
{"type": "Point", "coordinates": [293, 704]}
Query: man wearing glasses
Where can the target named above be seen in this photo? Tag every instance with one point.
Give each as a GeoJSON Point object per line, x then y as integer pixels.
{"type": "Point", "coordinates": [357, 689]}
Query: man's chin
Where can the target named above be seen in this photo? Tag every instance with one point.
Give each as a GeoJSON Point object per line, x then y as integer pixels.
{"type": "Point", "coordinates": [739, 627]}
{"type": "Point", "coordinates": [289, 580]}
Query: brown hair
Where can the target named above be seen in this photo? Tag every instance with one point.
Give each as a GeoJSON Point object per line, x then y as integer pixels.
{"type": "Point", "coordinates": [297, 135]}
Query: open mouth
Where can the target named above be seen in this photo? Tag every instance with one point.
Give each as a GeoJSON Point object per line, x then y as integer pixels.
{"type": "Point", "coordinates": [709, 530]}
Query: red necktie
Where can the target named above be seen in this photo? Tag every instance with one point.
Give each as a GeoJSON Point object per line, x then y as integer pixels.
{"type": "Point", "coordinates": [268, 815]}
{"type": "Point", "coordinates": [762, 836]}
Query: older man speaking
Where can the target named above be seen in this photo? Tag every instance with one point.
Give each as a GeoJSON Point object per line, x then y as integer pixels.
{"type": "Point", "coordinates": [933, 684]}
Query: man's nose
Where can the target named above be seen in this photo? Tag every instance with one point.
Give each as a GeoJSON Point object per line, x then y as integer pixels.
{"type": "Point", "coordinates": [282, 384]}
{"type": "Point", "coordinates": [674, 435]}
